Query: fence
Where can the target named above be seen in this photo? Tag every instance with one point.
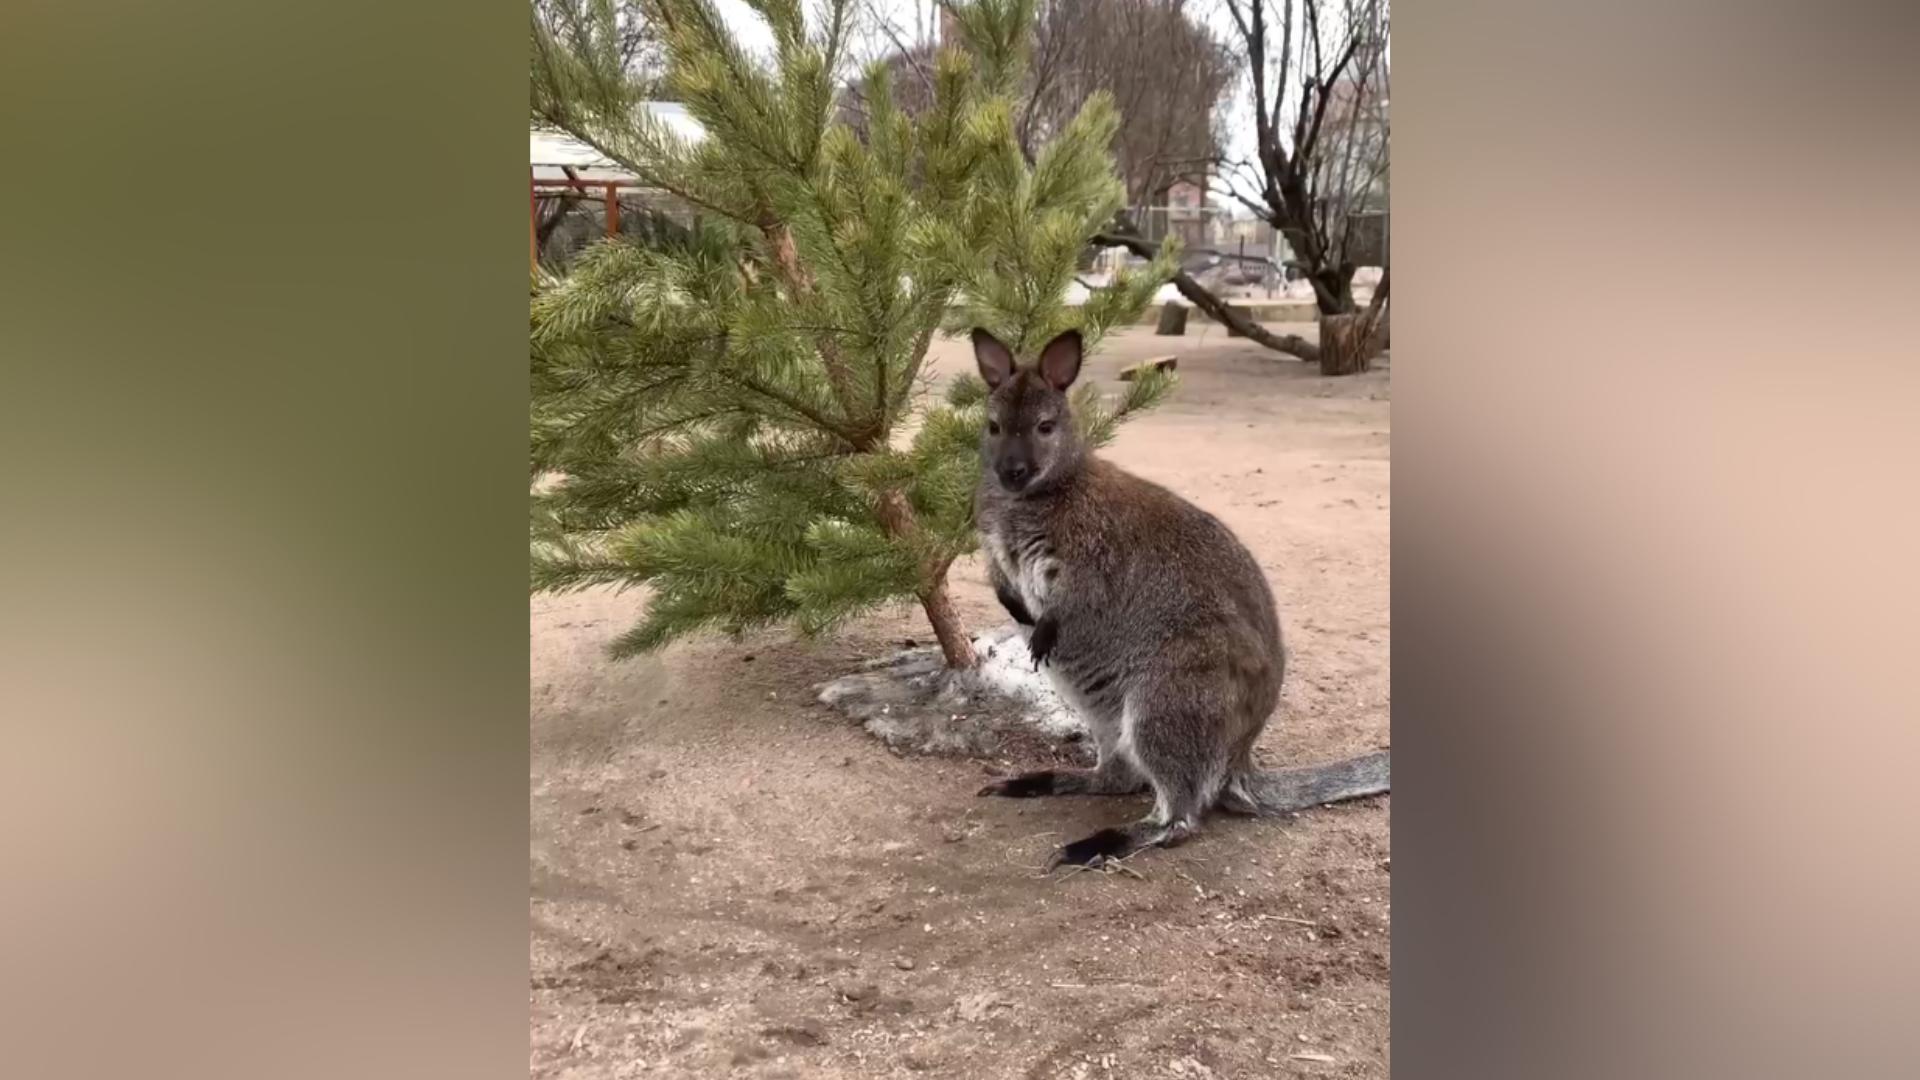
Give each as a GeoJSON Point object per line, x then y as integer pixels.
{"type": "Point", "coordinates": [569, 216]}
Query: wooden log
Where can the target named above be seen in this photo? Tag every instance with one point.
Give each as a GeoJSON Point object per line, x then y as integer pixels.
{"type": "Point", "coordinates": [1157, 363]}
{"type": "Point", "coordinates": [1173, 320]}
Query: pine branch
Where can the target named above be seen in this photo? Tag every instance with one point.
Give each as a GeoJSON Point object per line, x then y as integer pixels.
{"type": "Point", "coordinates": [711, 411]}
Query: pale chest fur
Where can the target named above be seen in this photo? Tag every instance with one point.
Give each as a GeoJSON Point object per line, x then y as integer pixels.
{"type": "Point", "coordinates": [1027, 564]}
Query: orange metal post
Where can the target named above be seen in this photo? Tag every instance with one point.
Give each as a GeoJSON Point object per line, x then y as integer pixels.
{"type": "Point", "coordinates": [613, 210]}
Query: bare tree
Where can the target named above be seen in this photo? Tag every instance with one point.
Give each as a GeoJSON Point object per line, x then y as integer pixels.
{"type": "Point", "coordinates": [1317, 78]}
{"type": "Point", "coordinates": [1166, 73]}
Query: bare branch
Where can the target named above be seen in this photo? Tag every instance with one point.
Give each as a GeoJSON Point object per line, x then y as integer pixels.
{"type": "Point", "coordinates": [1286, 55]}
{"type": "Point", "coordinates": [910, 55]}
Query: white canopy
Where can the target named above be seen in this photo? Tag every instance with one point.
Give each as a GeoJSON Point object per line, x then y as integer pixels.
{"type": "Point", "coordinates": [550, 152]}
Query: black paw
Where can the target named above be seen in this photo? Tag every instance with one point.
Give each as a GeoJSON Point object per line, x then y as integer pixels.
{"type": "Point", "coordinates": [1045, 633]}
{"type": "Point", "coordinates": [1024, 786]}
{"type": "Point", "coordinates": [1092, 850]}
{"type": "Point", "coordinates": [1012, 603]}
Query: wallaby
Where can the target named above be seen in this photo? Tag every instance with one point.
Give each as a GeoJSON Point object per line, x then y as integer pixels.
{"type": "Point", "coordinates": [1153, 621]}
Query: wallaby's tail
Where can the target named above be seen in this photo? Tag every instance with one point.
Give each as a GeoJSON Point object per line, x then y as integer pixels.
{"type": "Point", "coordinates": [1276, 791]}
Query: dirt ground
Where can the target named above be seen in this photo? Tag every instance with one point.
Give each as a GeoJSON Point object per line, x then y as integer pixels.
{"type": "Point", "coordinates": [729, 879]}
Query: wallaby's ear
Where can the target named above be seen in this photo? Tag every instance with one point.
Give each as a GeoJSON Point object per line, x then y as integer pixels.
{"type": "Point", "coordinates": [1060, 360]}
{"type": "Point", "coordinates": [994, 358]}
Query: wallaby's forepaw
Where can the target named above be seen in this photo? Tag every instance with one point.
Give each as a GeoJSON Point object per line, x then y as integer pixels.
{"type": "Point", "coordinates": [1041, 643]}
{"type": "Point", "coordinates": [1093, 850]}
{"type": "Point", "coordinates": [1011, 601]}
{"type": "Point", "coordinates": [1024, 786]}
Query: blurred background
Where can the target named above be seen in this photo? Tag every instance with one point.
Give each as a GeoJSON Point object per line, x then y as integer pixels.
{"type": "Point", "coordinates": [265, 799]}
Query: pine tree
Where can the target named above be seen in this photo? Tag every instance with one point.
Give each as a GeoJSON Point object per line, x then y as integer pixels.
{"type": "Point", "coordinates": [725, 415]}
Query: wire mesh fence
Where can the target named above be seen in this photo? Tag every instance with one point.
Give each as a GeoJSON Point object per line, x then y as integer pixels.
{"type": "Point", "coordinates": [567, 220]}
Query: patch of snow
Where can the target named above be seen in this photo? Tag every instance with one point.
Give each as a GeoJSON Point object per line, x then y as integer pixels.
{"type": "Point", "coordinates": [1077, 293]}
{"type": "Point", "coordinates": [1006, 667]}
{"type": "Point", "coordinates": [911, 701]}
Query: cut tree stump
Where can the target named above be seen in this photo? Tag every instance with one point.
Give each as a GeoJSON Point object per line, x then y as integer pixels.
{"type": "Point", "coordinates": [1157, 363]}
{"type": "Point", "coordinates": [1173, 320]}
{"type": "Point", "coordinates": [1344, 345]}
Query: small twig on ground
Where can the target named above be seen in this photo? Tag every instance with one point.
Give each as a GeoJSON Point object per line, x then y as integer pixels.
{"type": "Point", "coordinates": [1109, 866]}
{"type": "Point", "coordinates": [1012, 854]}
{"type": "Point", "coordinates": [1197, 887]}
{"type": "Point", "coordinates": [1287, 919]}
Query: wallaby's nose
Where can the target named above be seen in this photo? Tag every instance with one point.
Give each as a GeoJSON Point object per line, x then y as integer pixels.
{"type": "Point", "coordinates": [1015, 476]}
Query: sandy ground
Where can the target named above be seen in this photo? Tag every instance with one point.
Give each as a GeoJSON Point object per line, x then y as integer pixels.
{"type": "Point", "coordinates": [728, 879]}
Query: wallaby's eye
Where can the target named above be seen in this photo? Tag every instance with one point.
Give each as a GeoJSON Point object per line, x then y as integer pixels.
{"type": "Point", "coordinates": [993, 428]}
{"type": "Point", "coordinates": [1046, 427]}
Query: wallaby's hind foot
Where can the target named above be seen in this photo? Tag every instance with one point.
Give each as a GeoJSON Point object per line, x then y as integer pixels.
{"type": "Point", "coordinates": [1154, 730]}
{"type": "Point", "coordinates": [1121, 842]}
{"type": "Point", "coordinates": [1024, 786]}
{"type": "Point", "coordinates": [1179, 803]}
{"type": "Point", "coordinates": [1106, 781]}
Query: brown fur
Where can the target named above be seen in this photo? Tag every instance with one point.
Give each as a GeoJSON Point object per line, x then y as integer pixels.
{"type": "Point", "coordinates": [1151, 617]}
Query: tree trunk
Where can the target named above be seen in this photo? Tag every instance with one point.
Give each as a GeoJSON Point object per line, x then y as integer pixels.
{"type": "Point", "coordinates": [1346, 346]}
{"type": "Point", "coordinates": [1349, 340]}
{"type": "Point", "coordinates": [550, 218]}
{"type": "Point", "coordinates": [1380, 315]}
{"type": "Point", "coordinates": [1173, 320]}
{"type": "Point", "coordinates": [896, 516]}
{"type": "Point", "coordinates": [954, 643]}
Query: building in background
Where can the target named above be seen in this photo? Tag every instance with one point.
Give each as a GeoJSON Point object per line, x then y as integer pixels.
{"type": "Point", "coordinates": [577, 195]}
